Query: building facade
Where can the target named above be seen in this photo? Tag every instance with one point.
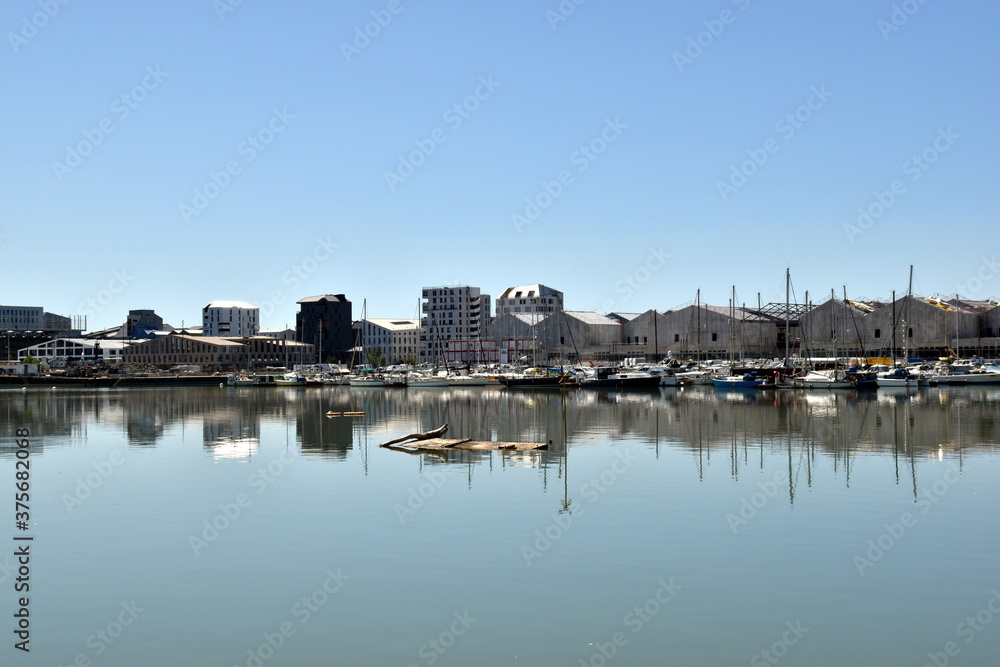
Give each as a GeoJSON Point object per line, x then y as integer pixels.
{"type": "Point", "coordinates": [22, 318]}
{"type": "Point", "coordinates": [458, 313]}
{"type": "Point", "coordinates": [60, 352]}
{"type": "Point", "coordinates": [141, 323]}
{"type": "Point", "coordinates": [230, 318]}
{"type": "Point", "coordinates": [398, 340]}
{"type": "Point", "coordinates": [324, 322]}
{"type": "Point", "coordinates": [535, 298]}
{"type": "Point", "coordinates": [215, 353]}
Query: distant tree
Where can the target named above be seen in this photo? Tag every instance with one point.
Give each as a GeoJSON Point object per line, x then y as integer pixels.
{"type": "Point", "coordinates": [376, 358]}
{"type": "Point", "coordinates": [31, 360]}
{"type": "Point", "coordinates": [410, 359]}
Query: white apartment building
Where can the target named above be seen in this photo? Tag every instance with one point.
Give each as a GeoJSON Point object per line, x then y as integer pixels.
{"type": "Point", "coordinates": [399, 340]}
{"type": "Point", "coordinates": [230, 319]}
{"type": "Point", "coordinates": [456, 313]}
{"type": "Point", "coordinates": [529, 299]}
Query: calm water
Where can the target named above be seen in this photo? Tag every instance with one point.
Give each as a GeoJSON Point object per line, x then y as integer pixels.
{"type": "Point", "coordinates": [240, 526]}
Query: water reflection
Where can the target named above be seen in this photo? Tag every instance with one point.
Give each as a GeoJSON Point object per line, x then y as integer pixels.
{"type": "Point", "coordinates": [744, 428]}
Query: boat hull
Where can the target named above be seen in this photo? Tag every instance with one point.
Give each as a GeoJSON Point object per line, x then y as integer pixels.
{"type": "Point", "coordinates": [468, 381]}
{"type": "Point", "coordinates": [366, 383]}
{"type": "Point", "coordinates": [543, 381]}
{"type": "Point", "coordinates": [736, 383]}
{"type": "Point", "coordinates": [622, 383]}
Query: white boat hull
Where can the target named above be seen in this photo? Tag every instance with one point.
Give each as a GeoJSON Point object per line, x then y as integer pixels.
{"type": "Point", "coordinates": [366, 383]}
{"type": "Point", "coordinates": [468, 381]}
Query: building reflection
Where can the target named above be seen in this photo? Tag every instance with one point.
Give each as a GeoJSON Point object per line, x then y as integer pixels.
{"type": "Point", "coordinates": [740, 430]}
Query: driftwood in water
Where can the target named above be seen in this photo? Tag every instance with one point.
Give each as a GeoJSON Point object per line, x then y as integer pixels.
{"type": "Point", "coordinates": [439, 444]}
{"type": "Point", "coordinates": [418, 436]}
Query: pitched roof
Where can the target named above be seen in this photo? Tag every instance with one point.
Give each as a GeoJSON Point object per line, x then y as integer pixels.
{"type": "Point", "coordinates": [335, 298]}
{"type": "Point", "coordinates": [591, 317]}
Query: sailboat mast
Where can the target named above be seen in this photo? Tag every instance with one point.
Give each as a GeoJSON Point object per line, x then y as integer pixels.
{"type": "Point", "coordinates": [698, 332]}
{"type": "Point", "coordinates": [732, 326]}
{"type": "Point", "coordinates": [788, 282]}
{"type": "Point", "coordinates": [892, 353]}
{"type": "Point", "coordinates": [833, 314]}
{"type": "Point", "coordinates": [906, 320]}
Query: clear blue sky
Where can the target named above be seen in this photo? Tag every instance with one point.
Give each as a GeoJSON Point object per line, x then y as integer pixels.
{"type": "Point", "coordinates": [104, 232]}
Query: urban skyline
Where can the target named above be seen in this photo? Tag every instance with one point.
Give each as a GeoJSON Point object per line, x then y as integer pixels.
{"type": "Point", "coordinates": [171, 155]}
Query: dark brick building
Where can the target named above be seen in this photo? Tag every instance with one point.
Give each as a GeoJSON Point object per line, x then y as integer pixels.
{"type": "Point", "coordinates": [325, 322]}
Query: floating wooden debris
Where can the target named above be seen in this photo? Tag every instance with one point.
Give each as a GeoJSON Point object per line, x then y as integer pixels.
{"type": "Point", "coordinates": [432, 440]}
{"type": "Point", "coordinates": [345, 414]}
{"type": "Point", "coordinates": [427, 435]}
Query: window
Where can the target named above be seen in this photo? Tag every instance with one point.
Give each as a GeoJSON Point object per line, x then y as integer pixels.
{"type": "Point", "coordinates": [677, 338]}
{"type": "Point", "coordinates": [715, 337]}
{"type": "Point", "coordinates": [878, 333]}
{"type": "Point", "coordinates": [909, 332]}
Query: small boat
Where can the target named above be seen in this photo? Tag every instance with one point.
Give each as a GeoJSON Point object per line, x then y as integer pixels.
{"type": "Point", "coordinates": [959, 375]}
{"type": "Point", "coordinates": [395, 379]}
{"type": "Point", "coordinates": [468, 380]}
{"type": "Point", "coordinates": [365, 381]}
{"type": "Point", "coordinates": [822, 380]}
{"type": "Point", "coordinates": [242, 381]}
{"type": "Point", "coordinates": [897, 377]}
{"type": "Point", "coordinates": [861, 379]}
{"type": "Point", "coordinates": [417, 380]}
{"type": "Point", "coordinates": [745, 381]}
{"type": "Point", "coordinates": [292, 379]}
{"type": "Point", "coordinates": [618, 378]}
{"type": "Point", "coordinates": [533, 377]}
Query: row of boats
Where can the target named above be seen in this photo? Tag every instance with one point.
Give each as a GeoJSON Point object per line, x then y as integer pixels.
{"type": "Point", "coordinates": [757, 375]}
{"type": "Point", "coordinates": [873, 377]}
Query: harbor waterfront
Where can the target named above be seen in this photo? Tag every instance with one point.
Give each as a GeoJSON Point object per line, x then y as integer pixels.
{"type": "Point", "coordinates": [229, 525]}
